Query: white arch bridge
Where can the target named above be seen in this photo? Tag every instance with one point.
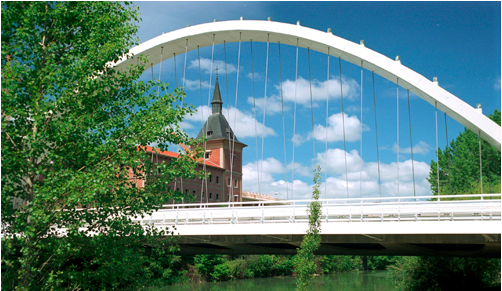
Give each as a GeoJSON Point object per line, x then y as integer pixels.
{"type": "Point", "coordinates": [190, 38]}
{"type": "Point", "coordinates": [448, 226]}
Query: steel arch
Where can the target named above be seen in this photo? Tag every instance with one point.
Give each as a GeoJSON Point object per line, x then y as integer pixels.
{"type": "Point", "coordinates": [202, 35]}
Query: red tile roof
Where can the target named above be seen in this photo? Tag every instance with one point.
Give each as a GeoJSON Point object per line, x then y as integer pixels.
{"type": "Point", "coordinates": [176, 155]}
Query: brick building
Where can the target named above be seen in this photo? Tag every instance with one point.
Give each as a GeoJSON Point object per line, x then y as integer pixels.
{"type": "Point", "coordinates": [225, 178]}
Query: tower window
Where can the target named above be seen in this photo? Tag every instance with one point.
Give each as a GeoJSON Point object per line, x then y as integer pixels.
{"type": "Point", "coordinates": [210, 178]}
{"type": "Point", "coordinates": [209, 132]}
{"type": "Point", "coordinates": [217, 179]}
{"type": "Point", "coordinates": [230, 133]}
{"type": "Point", "coordinates": [207, 154]}
{"type": "Point", "coordinates": [217, 197]}
{"type": "Point", "coordinates": [210, 195]}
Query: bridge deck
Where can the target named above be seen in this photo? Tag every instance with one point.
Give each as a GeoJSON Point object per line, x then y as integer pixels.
{"type": "Point", "coordinates": [371, 226]}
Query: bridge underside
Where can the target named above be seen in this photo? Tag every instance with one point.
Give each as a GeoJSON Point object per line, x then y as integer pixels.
{"type": "Point", "coordinates": [458, 239]}
{"type": "Point", "coordinates": [458, 245]}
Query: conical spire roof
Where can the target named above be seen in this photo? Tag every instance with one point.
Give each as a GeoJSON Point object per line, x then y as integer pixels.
{"type": "Point", "coordinates": [217, 97]}
{"type": "Point", "coordinates": [216, 126]}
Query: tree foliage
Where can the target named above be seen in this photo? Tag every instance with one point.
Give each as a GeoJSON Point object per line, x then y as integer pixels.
{"type": "Point", "coordinates": [459, 165]}
{"type": "Point", "coordinates": [442, 274]}
{"type": "Point", "coordinates": [305, 265]}
{"type": "Point", "coordinates": [458, 174]}
{"type": "Point", "coordinates": [71, 126]}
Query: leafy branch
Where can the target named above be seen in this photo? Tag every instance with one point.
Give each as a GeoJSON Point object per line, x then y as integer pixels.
{"type": "Point", "coordinates": [304, 264]}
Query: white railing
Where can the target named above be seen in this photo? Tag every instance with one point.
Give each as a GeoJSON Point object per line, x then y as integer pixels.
{"type": "Point", "coordinates": [475, 207]}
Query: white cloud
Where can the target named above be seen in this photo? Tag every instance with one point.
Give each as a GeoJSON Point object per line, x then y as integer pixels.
{"type": "Point", "coordinates": [267, 185]}
{"type": "Point", "coordinates": [273, 104]}
{"type": "Point", "coordinates": [252, 171]}
{"type": "Point", "coordinates": [420, 148]}
{"type": "Point", "coordinates": [335, 128]}
{"type": "Point", "coordinates": [244, 121]}
{"type": "Point", "coordinates": [195, 84]}
{"type": "Point", "coordinates": [257, 76]}
{"type": "Point", "coordinates": [185, 125]}
{"type": "Point", "coordinates": [319, 89]}
{"type": "Point", "coordinates": [274, 179]}
{"type": "Point", "coordinates": [496, 85]}
{"type": "Point", "coordinates": [205, 66]}
{"type": "Point", "coordinates": [299, 170]}
{"type": "Point", "coordinates": [335, 160]}
{"type": "Point", "coordinates": [298, 139]}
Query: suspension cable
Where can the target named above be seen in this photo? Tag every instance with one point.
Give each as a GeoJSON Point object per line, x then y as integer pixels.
{"type": "Point", "coordinates": [175, 74]}
{"type": "Point", "coordinates": [411, 146]}
{"type": "Point", "coordinates": [160, 69]}
{"type": "Point", "coordinates": [311, 105]}
{"type": "Point", "coordinates": [397, 122]}
{"type": "Point", "coordinates": [158, 92]}
{"type": "Point", "coordinates": [361, 141]}
{"type": "Point", "coordinates": [343, 127]}
{"type": "Point", "coordinates": [185, 65]}
{"type": "Point", "coordinates": [264, 112]}
{"type": "Point", "coordinates": [184, 71]}
{"type": "Point", "coordinates": [235, 114]}
{"type": "Point", "coordinates": [488, 170]}
{"type": "Point", "coordinates": [327, 119]}
{"type": "Point", "coordinates": [175, 80]}
{"type": "Point", "coordinates": [437, 144]}
{"type": "Point", "coordinates": [294, 126]}
{"type": "Point", "coordinates": [255, 121]}
{"type": "Point", "coordinates": [480, 163]}
{"type": "Point", "coordinates": [376, 134]}
{"type": "Point", "coordinates": [176, 84]}
{"type": "Point", "coordinates": [208, 102]}
{"type": "Point", "coordinates": [204, 128]}
{"type": "Point", "coordinates": [151, 68]}
{"type": "Point", "coordinates": [283, 124]}
{"type": "Point", "coordinates": [230, 193]}
{"type": "Point", "coordinates": [447, 152]}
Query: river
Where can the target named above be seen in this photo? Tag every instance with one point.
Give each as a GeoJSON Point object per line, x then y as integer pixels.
{"type": "Point", "coordinates": [362, 280]}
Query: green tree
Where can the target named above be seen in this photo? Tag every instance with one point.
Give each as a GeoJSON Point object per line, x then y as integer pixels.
{"type": "Point", "coordinates": [71, 126]}
{"type": "Point", "coordinates": [443, 274]}
{"type": "Point", "coordinates": [305, 263]}
{"type": "Point", "coordinates": [458, 173]}
{"type": "Point", "coordinates": [459, 165]}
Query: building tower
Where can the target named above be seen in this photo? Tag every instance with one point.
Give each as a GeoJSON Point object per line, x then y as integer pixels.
{"type": "Point", "coordinates": [220, 141]}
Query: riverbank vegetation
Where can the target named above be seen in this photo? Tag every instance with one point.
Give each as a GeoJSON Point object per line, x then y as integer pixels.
{"type": "Point", "coordinates": [443, 274]}
{"type": "Point", "coordinates": [214, 268]}
{"type": "Point", "coordinates": [407, 273]}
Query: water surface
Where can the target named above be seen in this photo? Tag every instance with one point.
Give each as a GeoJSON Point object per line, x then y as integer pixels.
{"type": "Point", "coordinates": [363, 280]}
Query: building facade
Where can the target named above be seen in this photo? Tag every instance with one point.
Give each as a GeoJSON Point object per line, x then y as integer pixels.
{"type": "Point", "coordinates": [222, 161]}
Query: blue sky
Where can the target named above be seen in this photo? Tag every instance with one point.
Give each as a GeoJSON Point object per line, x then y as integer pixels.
{"type": "Point", "coordinates": [459, 42]}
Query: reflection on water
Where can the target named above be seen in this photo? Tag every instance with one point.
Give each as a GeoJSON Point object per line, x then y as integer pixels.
{"type": "Point", "coordinates": [364, 280]}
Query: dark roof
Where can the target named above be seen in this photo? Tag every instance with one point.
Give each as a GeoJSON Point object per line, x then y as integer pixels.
{"type": "Point", "coordinates": [216, 126]}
